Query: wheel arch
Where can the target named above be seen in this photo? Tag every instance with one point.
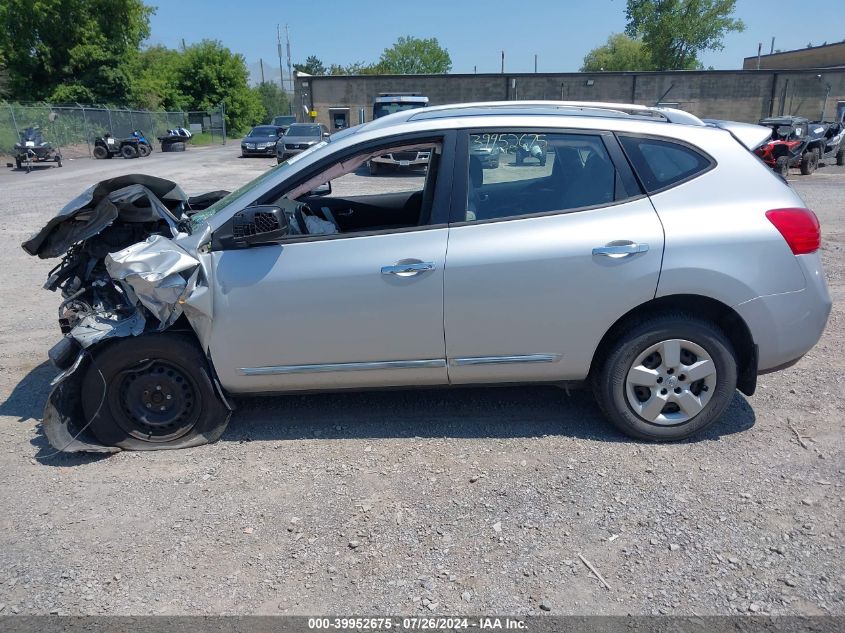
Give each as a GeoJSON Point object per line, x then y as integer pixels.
{"type": "Point", "coordinates": [713, 310]}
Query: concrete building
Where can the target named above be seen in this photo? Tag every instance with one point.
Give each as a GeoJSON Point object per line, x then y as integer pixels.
{"type": "Point", "coordinates": [825, 56]}
{"type": "Point", "coordinates": [740, 95]}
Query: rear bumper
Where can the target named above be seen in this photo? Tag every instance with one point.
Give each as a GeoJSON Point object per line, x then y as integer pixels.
{"type": "Point", "coordinates": [786, 326]}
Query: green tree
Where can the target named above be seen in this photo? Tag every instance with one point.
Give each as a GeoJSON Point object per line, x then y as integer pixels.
{"type": "Point", "coordinates": [211, 74]}
{"type": "Point", "coordinates": [619, 53]}
{"type": "Point", "coordinates": [675, 31]}
{"type": "Point", "coordinates": [355, 68]}
{"type": "Point", "coordinates": [273, 99]}
{"type": "Point", "coordinates": [415, 56]}
{"type": "Point", "coordinates": [312, 66]}
{"type": "Point", "coordinates": [156, 76]}
{"type": "Point", "coordinates": [71, 50]}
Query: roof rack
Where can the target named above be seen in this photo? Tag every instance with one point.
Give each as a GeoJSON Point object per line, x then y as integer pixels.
{"type": "Point", "coordinates": [595, 108]}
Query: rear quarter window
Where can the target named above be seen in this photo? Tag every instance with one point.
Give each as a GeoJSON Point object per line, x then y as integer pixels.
{"type": "Point", "coordinates": [662, 164]}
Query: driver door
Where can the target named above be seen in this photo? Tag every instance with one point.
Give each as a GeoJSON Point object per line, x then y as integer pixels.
{"type": "Point", "coordinates": [356, 309]}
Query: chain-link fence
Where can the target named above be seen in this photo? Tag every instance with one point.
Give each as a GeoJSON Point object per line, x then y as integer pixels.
{"type": "Point", "coordinates": [74, 128]}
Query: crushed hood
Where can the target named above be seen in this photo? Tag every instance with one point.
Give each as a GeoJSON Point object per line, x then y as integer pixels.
{"type": "Point", "coordinates": [135, 198]}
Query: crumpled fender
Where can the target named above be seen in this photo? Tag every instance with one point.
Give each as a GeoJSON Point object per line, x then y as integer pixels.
{"type": "Point", "coordinates": [158, 272]}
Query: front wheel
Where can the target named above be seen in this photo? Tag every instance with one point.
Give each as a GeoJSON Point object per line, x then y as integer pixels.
{"type": "Point", "coordinates": [666, 378]}
{"type": "Point", "coordinates": [809, 162]}
{"type": "Point", "coordinates": [152, 392]}
{"type": "Point", "coordinates": [100, 152]}
{"type": "Point", "coordinates": [782, 166]}
{"type": "Point", "coordinates": [144, 150]}
{"type": "Point", "coordinates": [129, 151]}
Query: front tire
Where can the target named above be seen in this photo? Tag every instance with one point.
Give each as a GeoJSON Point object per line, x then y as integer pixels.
{"type": "Point", "coordinates": [782, 166]}
{"type": "Point", "coordinates": [666, 378]}
{"type": "Point", "coordinates": [144, 150]}
{"type": "Point", "coordinates": [129, 151]}
{"type": "Point", "coordinates": [840, 157]}
{"type": "Point", "coordinates": [152, 392]}
{"type": "Point", "coordinates": [809, 162]}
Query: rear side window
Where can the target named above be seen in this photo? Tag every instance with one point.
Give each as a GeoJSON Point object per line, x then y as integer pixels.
{"type": "Point", "coordinates": [661, 164]}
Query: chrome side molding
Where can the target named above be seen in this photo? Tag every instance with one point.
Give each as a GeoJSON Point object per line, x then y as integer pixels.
{"type": "Point", "coordinates": [503, 360]}
{"type": "Point", "coordinates": [315, 369]}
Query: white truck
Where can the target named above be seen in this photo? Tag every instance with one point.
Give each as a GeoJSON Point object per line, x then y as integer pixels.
{"type": "Point", "coordinates": [388, 103]}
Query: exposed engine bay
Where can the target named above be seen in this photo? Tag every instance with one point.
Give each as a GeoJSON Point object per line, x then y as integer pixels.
{"type": "Point", "coordinates": [122, 273]}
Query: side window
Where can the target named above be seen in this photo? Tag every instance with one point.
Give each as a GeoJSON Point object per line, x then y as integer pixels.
{"type": "Point", "coordinates": [661, 164]}
{"type": "Point", "coordinates": [382, 189]}
{"type": "Point", "coordinates": [512, 174]}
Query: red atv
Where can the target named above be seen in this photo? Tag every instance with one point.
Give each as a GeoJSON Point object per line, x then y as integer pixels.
{"type": "Point", "coordinates": [791, 145]}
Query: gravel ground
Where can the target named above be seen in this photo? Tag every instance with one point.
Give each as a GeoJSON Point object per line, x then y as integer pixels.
{"type": "Point", "coordinates": [472, 501]}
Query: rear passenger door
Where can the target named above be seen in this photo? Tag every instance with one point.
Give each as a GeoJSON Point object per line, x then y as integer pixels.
{"type": "Point", "coordinates": [548, 247]}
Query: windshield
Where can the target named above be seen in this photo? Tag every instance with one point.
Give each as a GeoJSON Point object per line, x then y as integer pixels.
{"type": "Point", "coordinates": [284, 120]}
{"type": "Point", "coordinates": [197, 219]}
{"type": "Point", "coordinates": [303, 130]}
{"type": "Point", "coordinates": [264, 130]}
{"type": "Point", "coordinates": [383, 109]}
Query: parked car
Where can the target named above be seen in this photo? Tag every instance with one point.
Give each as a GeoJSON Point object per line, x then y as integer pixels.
{"type": "Point", "coordinates": [261, 141]}
{"type": "Point", "coordinates": [655, 260]}
{"type": "Point", "coordinates": [283, 121]}
{"type": "Point", "coordinates": [300, 137]}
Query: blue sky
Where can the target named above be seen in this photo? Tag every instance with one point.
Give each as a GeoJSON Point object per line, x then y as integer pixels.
{"type": "Point", "coordinates": [560, 32]}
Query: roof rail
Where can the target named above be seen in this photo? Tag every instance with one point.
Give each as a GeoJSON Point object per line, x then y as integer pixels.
{"type": "Point", "coordinates": [670, 115]}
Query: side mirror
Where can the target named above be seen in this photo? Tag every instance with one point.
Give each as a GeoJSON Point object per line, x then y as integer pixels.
{"type": "Point", "coordinates": [259, 225]}
{"type": "Point", "coordinates": [322, 190]}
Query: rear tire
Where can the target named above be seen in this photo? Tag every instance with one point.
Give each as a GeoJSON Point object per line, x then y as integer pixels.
{"type": "Point", "coordinates": [809, 162]}
{"type": "Point", "coordinates": [782, 166]}
{"type": "Point", "coordinates": [144, 150]}
{"type": "Point", "coordinates": [672, 406]}
{"type": "Point", "coordinates": [100, 152]}
{"type": "Point", "coordinates": [152, 391]}
{"type": "Point", "coordinates": [129, 151]}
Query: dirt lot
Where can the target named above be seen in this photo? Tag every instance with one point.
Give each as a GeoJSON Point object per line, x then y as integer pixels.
{"type": "Point", "coordinates": [472, 501]}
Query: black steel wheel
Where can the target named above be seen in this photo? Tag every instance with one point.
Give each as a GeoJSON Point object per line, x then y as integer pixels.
{"type": "Point", "coordinates": [129, 151]}
{"type": "Point", "coordinates": [152, 391]}
{"type": "Point", "coordinates": [100, 152]}
{"type": "Point", "coordinates": [144, 150]}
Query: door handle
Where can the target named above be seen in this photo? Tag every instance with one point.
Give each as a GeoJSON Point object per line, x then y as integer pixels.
{"type": "Point", "coordinates": [407, 270]}
{"type": "Point", "coordinates": [617, 250]}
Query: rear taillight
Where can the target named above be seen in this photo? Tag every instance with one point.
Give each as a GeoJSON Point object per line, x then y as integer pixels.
{"type": "Point", "coordinates": [799, 227]}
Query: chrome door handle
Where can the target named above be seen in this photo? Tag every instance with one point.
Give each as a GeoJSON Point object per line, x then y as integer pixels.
{"type": "Point", "coordinates": [407, 270]}
{"type": "Point", "coordinates": [620, 250]}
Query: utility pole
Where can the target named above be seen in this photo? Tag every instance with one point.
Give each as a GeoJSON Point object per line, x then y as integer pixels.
{"type": "Point", "coordinates": [759, 50]}
{"type": "Point", "coordinates": [503, 62]}
{"type": "Point", "coordinates": [290, 72]}
{"type": "Point", "coordinates": [535, 62]}
{"type": "Point", "coordinates": [261, 63]}
{"type": "Point", "coordinates": [772, 49]}
{"type": "Point", "coordinates": [279, 50]}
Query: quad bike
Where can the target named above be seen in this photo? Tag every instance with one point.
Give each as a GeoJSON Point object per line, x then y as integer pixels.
{"type": "Point", "coordinates": [796, 142]}
{"type": "Point", "coordinates": [34, 149]}
{"type": "Point", "coordinates": [828, 140]}
{"type": "Point", "coordinates": [135, 145]}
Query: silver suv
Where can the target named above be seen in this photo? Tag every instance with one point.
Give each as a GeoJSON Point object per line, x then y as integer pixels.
{"type": "Point", "coordinates": [646, 253]}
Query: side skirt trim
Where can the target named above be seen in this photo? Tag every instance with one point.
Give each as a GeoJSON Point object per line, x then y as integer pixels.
{"type": "Point", "coordinates": [505, 360]}
{"type": "Point", "coordinates": [331, 367]}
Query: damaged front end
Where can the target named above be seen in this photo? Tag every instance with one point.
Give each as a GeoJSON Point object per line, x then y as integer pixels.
{"type": "Point", "coordinates": [122, 273]}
